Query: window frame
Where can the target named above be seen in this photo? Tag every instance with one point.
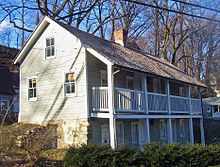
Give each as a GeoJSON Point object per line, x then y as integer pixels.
{"type": "Point", "coordinates": [45, 50]}
{"type": "Point", "coordinates": [64, 84]}
{"type": "Point", "coordinates": [8, 104]}
{"type": "Point", "coordinates": [138, 133]}
{"type": "Point", "coordinates": [162, 138]}
{"type": "Point", "coordinates": [28, 88]}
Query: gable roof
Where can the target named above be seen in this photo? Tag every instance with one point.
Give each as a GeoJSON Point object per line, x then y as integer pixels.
{"type": "Point", "coordinates": [129, 58]}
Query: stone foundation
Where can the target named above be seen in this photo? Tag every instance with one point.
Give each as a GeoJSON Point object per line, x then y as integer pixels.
{"type": "Point", "coordinates": [68, 132]}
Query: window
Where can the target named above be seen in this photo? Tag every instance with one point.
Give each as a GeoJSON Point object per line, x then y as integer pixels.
{"type": "Point", "coordinates": [104, 81]}
{"type": "Point", "coordinates": [50, 48]}
{"type": "Point", "coordinates": [32, 88]}
{"type": "Point", "coordinates": [129, 82]}
{"type": "Point", "coordinates": [181, 128]}
{"type": "Point", "coordinates": [4, 104]}
{"type": "Point", "coordinates": [135, 133]}
{"type": "Point", "coordinates": [69, 85]}
{"type": "Point", "coordinates": [155, 85]}
{"type": "Point", "coordinates": [177, 89]}
{"type": "Point", "coordinates": [162, 129]}
{"type": "Point", "coordinates": [120, 133]}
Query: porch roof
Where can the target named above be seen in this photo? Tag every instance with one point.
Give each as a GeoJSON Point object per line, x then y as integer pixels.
{"type": "Point", "coordinates": [131, 58]}
{"type": "Point", "coordinates": [211, 101]}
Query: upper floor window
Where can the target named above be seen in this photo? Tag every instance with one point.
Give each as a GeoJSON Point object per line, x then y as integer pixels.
{"type": "Point", "coordinates": [50, 48]}
{"type": "Point", "coordinates": [32, 88]}
{"type": "Point", "coordinates": [129, 82]}
{"type": "Point", "coordinates": [69, 84]}
{"type": "Point", "coordinates": [178, 89]}
{"type": "Point", "coordinates": [155, 85]}
{"type": "Point", "coordinates": [4, 104]}
{"type": "Point", "coordinates": [104, 81]}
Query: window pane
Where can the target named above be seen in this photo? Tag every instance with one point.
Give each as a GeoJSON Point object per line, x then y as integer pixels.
{"type": "Point", "coordinates": [72, 87]}
{"type": "Point", "coordinates": [48, 52]}
{"type": "Point", "coordinates": [34, 93]}
{"type": "Point", "coordinates": [70, 77]}
{"type": "Point", "coordinates": [30, 83]}
{"type": "Point", "coordinates": [47, 42]}
{"type": "Point", "coordinates": [34, 83]}
{"type": "Point", "coordinates": [52, 51]}
{"type": "Point", "coordinates": [68, 88]}
{"type": "Point", "coordinates": [31, 93]}
{"type": "Point", "coordinates": [52, 41]}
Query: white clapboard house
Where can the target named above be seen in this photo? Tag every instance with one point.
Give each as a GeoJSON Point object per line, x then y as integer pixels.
{"type": "Point", "coordinates": [100, 91]}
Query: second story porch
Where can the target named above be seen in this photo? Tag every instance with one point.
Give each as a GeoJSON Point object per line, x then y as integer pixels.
{"type": "Point", "coordinates": [133, 101]}
{"type": "Point", "coordinates": [140, 93]}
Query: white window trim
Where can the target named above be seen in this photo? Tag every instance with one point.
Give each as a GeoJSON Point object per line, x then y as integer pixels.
{"type": "Point", "coordinates": [103, 72]}
{"type": "Point", "coordinates": [165, 130]}
{"type": "Point", "coordinates": [33, 98]}
{"type": "Point", "coordinates": [45, 46]}
{"type": "Point", "coordinates": [64, 88]}
{"type": "Point", "coordinates": [138, 131]}
{"type": "Point", "coordinates": [129, 78]}
{"type": "Point", "coordinates": [8, 104]}
{"type": "Point", "coordinates": [123, 131]}
{"type": "Point", "coordinates": [183, 132]}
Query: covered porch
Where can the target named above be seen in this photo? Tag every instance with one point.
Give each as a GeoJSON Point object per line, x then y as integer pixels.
{"type": "Point", "coordinates": [139, 131]}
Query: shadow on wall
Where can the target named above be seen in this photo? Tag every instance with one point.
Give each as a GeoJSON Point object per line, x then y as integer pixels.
{"type": "Point", "coordinates": [212, 131]}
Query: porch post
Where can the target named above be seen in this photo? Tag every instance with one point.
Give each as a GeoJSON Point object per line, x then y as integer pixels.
{"type": "Point", "coordinates": [191, 131]}
{"type": "Point", "coordinates": [189, 98]}
{"type": "Point", "coordinates": [147, 125]}
{"type": "Point", "coordinates": [168, 96]}
{"type": "Point", "coordinates": [111, 106]}
{"type": "Point", "coordinates": [202, 131]}
{"type": "Point", "coordinates": [144, 79]}
{"type": "Point", "coordinates": [170, 131]}
{"type": "Point", "coordinates": [148, 130]}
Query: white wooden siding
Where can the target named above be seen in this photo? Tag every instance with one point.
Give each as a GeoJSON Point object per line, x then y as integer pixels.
{"type": "Point", "coordinates": [51, 102]}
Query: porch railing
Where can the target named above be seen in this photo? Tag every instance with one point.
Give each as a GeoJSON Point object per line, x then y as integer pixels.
{"type": "Point", "coordinates": [195, 106]}
{"type": "Point", "coordinates": [100, 98]}
{"type": "Point", "coordinates": [179, 104]}
{"type": "Point", "coordinates": [157, 102]}
{"type": "Point", "coordinates": [127, 100]}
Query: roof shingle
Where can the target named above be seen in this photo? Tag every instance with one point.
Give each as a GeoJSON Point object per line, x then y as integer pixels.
{"type": "Point", "coordinates": [130, 58]}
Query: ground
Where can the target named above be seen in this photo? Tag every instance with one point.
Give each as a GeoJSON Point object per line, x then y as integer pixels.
{"type": "Point", "coordinates": [12, 155]}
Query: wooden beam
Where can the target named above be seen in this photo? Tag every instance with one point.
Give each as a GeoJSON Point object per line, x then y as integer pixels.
{"type": "Point", "coordinates": [123, 116]}
{"type": "Point", "coordinates": [191, 131]}
{"type": "Point", "coordinates": [144, 81]}
{"type": "Point", "coordinates": [147, 130]}
{"type": "Point", "coordinates": [168, 95]}
{"type": "Point", "coordinates": [170, 131]}
{"type": "Point", "coordinates": [111, 106]}
{"type": "Point", "coordinates": [202, 131]}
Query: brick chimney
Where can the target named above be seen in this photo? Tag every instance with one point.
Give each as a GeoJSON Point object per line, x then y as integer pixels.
{"type": "Point", "coordinates": [120, 37]}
